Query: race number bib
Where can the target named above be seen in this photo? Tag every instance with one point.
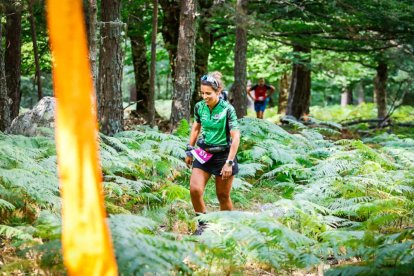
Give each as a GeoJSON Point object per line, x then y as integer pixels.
{"type": "Point", "coordinates": [261, 98]}
{"type": "Point", "coordinates": [201, 155]}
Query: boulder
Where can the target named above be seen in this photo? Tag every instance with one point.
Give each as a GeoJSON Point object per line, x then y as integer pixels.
{"type": "Point", "coordinates": [38, 121]}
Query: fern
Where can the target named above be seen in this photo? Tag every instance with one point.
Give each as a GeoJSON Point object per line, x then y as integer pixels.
{"type": "Point", "coordinates": [13, 232]}
{"type": "Point", "coordinates": [183, 129]}
{"type": "Point", "coordinates": [147, 252]}
{"type": "Point", "coordinates": [249, 169]}
{"type": "Point", "coordinates": [5, 205]}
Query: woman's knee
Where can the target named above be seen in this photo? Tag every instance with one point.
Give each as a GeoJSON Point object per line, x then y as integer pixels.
{"type": "Point", "coordinates": [196, 190]}
{"type": "Point", "coordinates": [223, 197]}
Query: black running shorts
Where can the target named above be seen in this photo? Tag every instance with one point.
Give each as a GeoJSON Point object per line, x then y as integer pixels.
{"type": "Point", "coordinates": [216, 163]}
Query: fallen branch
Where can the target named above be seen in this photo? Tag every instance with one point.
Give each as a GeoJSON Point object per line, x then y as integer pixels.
{"type": "Point", "coordinates": [131, 103]}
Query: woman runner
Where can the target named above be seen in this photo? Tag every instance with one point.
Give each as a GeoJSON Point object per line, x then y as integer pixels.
{"type": "Point", "coordinates": [218, 136]}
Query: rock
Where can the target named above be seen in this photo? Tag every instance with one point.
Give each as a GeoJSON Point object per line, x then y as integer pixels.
{"type": "Point", "coordinates": [39, 121]}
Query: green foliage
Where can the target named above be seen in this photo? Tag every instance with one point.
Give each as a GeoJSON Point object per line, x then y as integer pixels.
{"type": "Point", "coordinates": [147, 252]}
{"type": "Point", "coordinates": [306, 200]}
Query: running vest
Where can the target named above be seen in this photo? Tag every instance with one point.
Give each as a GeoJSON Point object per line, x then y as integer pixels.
{"type": "Point", "coordinates": [216, 125]}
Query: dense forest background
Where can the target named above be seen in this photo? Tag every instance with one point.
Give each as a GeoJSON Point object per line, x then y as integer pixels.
{"type": "Point", "coordinates": [326, 182]}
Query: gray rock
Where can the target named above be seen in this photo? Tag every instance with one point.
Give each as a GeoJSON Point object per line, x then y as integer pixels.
{"type": "Point", "coordinates": [39, 121]}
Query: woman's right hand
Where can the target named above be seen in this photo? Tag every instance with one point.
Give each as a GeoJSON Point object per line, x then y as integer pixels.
{"type": "Point", "coordinates": [189, 161]}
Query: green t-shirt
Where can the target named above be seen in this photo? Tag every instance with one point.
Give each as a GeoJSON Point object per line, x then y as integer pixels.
{"type": "Point", "coordinates": [217, 123]}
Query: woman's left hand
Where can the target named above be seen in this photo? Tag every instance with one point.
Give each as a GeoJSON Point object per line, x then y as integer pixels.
{"type": "Point", "coordinates": [226, 171]}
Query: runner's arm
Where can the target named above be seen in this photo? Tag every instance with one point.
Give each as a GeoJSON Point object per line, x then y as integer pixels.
{"type": "Point", "coordinates": [195, 131]}
{"type": "Point", "coordinates": [235, 141]}
{"type": "Point", "coordinates": [248, 90]}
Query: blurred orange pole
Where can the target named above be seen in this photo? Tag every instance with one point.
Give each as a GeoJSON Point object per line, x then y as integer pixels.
{"type": "Point", "coordinates": [87, 246]}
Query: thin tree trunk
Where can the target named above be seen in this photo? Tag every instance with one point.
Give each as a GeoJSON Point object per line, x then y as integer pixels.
{"type": "Point", "coordinates": [283, 93]}
{"type": "Point", "coordinates": [238, 89]}
{"type": "Point", "coordinates": [170, 29]}
{"type": "Point", "coordinates": [4, 98]}
{"type": "Point", "coordinates": [12, 58]}
{"type": "Point", "coordinates": [300, 87]}
{"type": "Point", "coordinates": [93, 37]}
{"type": "Point", "coordinates": [347, 97]}
{"type": "Point", "coordinates": [167, 86]}
{"type": "Point", "coordinates": [380, 88]}
{"type": "Point", "coordinates": [183, 84]}
{"type": "Point", "coordinates": [110, 109]}
{"type": "Point", "coordinates": [204, 44]}
{"type": "Point", "coordinates": [139, 59]}
{"type": "Point", "coordinates": [360, 92]}
{"type": "Point", "coordinates": [35, 51]}
{"type": "Point", "coordinates": [151, 104]}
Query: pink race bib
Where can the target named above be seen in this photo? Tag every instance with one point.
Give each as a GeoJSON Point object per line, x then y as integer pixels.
{"type": "Point", "coordinates": [201, 155]}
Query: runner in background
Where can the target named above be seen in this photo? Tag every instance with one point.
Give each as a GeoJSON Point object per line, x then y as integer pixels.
{"type": "Point", "coordinates": [261, 96]}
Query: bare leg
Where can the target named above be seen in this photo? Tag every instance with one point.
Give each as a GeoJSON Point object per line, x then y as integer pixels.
{"type": "Point", "coordinates": [260, 114]}
{"type": "Point", "coordinates": [198, 183]}
{"type": "Point", "coordinates": [223, 187]}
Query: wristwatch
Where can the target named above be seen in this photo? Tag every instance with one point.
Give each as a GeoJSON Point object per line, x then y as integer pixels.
{"type": "Point", "coordinates": [229, 162]}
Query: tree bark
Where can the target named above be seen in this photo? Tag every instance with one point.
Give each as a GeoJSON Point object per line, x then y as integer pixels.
{"type": "Point", "coordinates": [183, 84]}
{"type": "Point", "coordinates": [238, 90]}
{"type": "Point", "coordinates": [283, 93]}
{"type": "Point", "coordinates": [300, 87]}
{"type": "Point", "coordinates": [204, 43]}
{"type": "Point", "coordinates": [360, 92]}
{"type": "Point", "coordinates": [92, 27]}
{"type": "Point", "coordinates": [110, 109]}
{"type": "Point", "coordinates": [170, 29]}
{"type": "Point", "coordinates": [12, 57]}
{"type": "Point", "coordinates": [151, 104]}
{"type": "Point", "coordinates": [35, 51]}
{"type": "Point", "coordinates": [4, 98]}
{"type": "Point", "coordinates": [380, 89]}
{"type": "Point", "coordinates": [346, 96]}
{"type": "Point", "coordinates": [139, 59]}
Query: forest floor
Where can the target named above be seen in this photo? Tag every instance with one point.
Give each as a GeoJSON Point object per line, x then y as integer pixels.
{"type": "Point", "coordinates": [308, 200]}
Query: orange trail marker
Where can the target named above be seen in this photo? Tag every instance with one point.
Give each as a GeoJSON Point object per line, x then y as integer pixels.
{"type": "Point", "coordinates": [87, 247]}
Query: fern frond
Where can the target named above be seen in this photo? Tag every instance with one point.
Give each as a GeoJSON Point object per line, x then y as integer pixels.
{"type": "Point", "coordinates": [147, 253]}
{"type": "Point", "coordinates": [12, 232]}
{"type": "Point", "coordinates": [5, 205]}
{"type": "Point", "coordinates": [286, 169]}
{"type": "Point", "coordinates": [249, 169]}
{"type": "Point", "coordinates": [239, 184]}
{"type": "Point", "coordinates": [172, 148]}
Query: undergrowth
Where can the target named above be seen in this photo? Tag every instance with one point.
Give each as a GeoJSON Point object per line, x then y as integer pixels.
{"type": "Point", "coordinates": [302, 200]}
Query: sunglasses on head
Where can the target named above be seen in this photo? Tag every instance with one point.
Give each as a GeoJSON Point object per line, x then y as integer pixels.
{"type": "Point", "coordinates": [210, 81]}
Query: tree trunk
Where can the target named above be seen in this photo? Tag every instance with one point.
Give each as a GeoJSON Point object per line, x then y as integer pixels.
{"type": "Point", "coordinates": [283, 93]}
{"type": "Point", "coordinates": [4, 98]}
{"type": "Point", "coordinates": [139, 59]}
{"type": "Point", "coordinates": [300, 87]}
{"type": "Point", "coordinates": [183, 84]}
{"type": "Point", "coordinates": [347, 97]}
{"type": "Point", "coordinates": [151, 104]}
{"type": "Point", "coordinates": [110, 109]}
{"type": "Point", "coordinates": [360, 92]}
{"type": "Point", "coordinates": [204, 44]}
{"type": "Point", "coordinates": [35, 51]}
{"type": "Point", "coordinates": [240, 76]}
{"type": "Point", "coordinates": [12, 57]}
{"type": "Point", "coordinates": [380, 88]}
{"type": "Point", "coordinates": [92, 27]}
{"type": "Point", "coordinates": [170, 29]}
